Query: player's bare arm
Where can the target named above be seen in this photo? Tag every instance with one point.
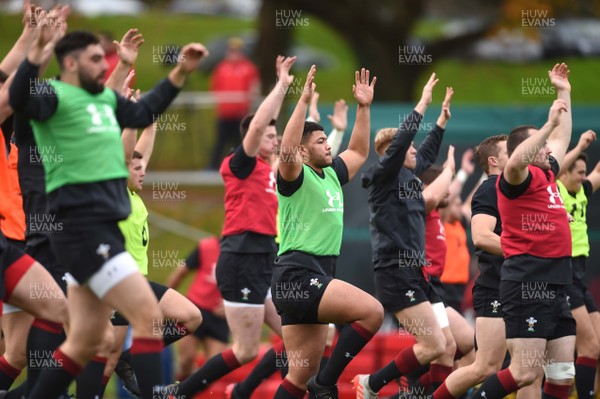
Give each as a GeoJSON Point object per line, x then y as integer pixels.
{"type": "Point", "coordinates": [267, 108]}
{"type": "Point", "coordinates": [292, 135]}
{"type": "Point", "coordinates": [482, 231]}
{"type": "Point", "coordinates": [358, 147]}
{"type": "Point", "coordinates": [435, 192]}
{"type": "Point", "coordinates": [127, 50]}
{"type": "Point", "coordinates": [559, 139]}
{"type": "Point", "coordinates": [516, 170]}
{"type": "Point", "coordinates": [584, 142]}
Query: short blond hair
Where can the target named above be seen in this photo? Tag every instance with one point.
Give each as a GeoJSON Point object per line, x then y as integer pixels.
{"type": "Point", "coordinates": [383, 137]}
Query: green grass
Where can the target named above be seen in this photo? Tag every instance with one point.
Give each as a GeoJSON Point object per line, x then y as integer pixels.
{"type": "Point", "coordinates": [500, 83]}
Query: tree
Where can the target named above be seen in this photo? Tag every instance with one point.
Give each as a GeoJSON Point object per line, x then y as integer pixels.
{"type": "Point", "coordinates": [375, 30]}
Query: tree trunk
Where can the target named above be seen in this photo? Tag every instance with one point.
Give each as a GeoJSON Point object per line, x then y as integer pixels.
{"type": "Point", "coordinates": [271, 43]}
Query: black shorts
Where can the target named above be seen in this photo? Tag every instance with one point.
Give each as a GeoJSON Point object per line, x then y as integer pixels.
{"type": "Point", "coordinates": [83, 248]}
{"type": "Point", "coordinates": [454, 295]}
{"type": "Point", "coordinates": [297, 293]}
{"type": "Point", "coordinates": [577, 293]}
{"type": "Point", "coordinates": [14, 263]}
{"type": "Point", "coordinates": [486, 301]}
{"type": "Point", "coordinates": [536, 310]}
{"type": "Point", "coordinates": [400, 288]}
{"type": "Point", "coordinates": [212, 326]}
{"type": "Point", "coordinates": [244, 278]}
{"type": "Point", "coordinates": [41, 251]}
{"type": "Point", "coordinates": [439, 287]}
{"type": "Point", "coordinates": [159, 291]}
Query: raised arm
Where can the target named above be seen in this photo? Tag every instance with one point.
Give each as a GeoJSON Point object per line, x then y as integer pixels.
{"type": "Point", "coordinates": [594, 177]}
{"type": "Point", "coordinates": [290, 163]}
{"type": "Point", "coordinates": [584, 142]}
{"type": "Point", "coordinates": [466, 206]}
{"type": "Point", "coordinates": [127, 50]}
{"type": "Point", "coordinates": [559, 139]}
{"type": "Point", "coordinates": [5, 108]}
{"type": "Point", "coordinates": [278, 68]}
{"type": "Point", "coordinates": [358, 147]}
{"type": "Point", "coordinates": [430, 147]}
{"type": "Point", "coordinates": [19, 50]}
{"type": "Point", "coordinates": [156, 101]}
{"type": "Point", "coordinates": [145, 143]}
{"type": "Point", "coordinates": [435, 192]}
{"type": "Point", "coordinates": [129, 135]}
{"type": "Point", "coordinates": [467, 167]}
{"type": "Point", "coordinates": [516, 170]}
{"type": "Point", "coordinates": [267, 108]}
{"type": "Point", "coordinates": [313, 109]}
{"type": "Point", "coordinates": [390, 163]}
{"type": "Point", "coordinates": [339, 121]}
{"type": "Point", "coordinates": [51, 27]}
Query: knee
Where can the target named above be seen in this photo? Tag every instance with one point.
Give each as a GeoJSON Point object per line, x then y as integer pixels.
{"type": "Point", "coordinates": [373, 316]}
{"type": "Point", "coordinates": [450, 347]}
{"type": "Point", "coordinates": [193, 320]}
{"type": "Point", "coordinates": [245, 353]}
{"type": "Point", "coordinates": [16, 359]}
{"type": "Point", "coordinates": [526, 376]}
{"type": "Point", "coordinates": [107, 345]}
{"type": "Point", "coordinates": [86, 342]}
{"type": "Point", "coordinates": [486, 369]}
{"type": "Point", "coordinates": [55, 311]}
{"type": "Point", "coordinates": [436, 347]}
{"type": "Point", "coordinates": [588, 348]}
{"type": "Point", "coordinates": [145, 323]}
{"type": "Point", "coordinates": [299, 376]}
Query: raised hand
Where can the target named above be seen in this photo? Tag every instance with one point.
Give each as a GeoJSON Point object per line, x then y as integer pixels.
{"type": "Point", "coordinates": [559, 77]}
{"type": "Point", "coordinates": [313, 110]}
{"type": "Point", "coordinates": [127, 82]}
{"type": "Point", "coordinates": [339, 120]}
{"type": "Point", "coordinates": [363, 90]}
{"type": "Point", "coordinates": [450, 160]}
{"type": "Point", "coordinates": [30, 14]}
{"type": "Point", "coordinates": [466, 163]}
{"type": "Point", "coordinates": [586, 139]}
{"type": "Point", "coordinates": [51, 26]}
{"type": "Point", "coordinates": [283, 66]}
{"type": "Point", "coordinates": [446, 104]}
{"type": "Point", "coordinates": [309, 85]}
{"type": "Point", "coordinates": [129, 46]}
{"type": "Point", "coordinates": [427, 95]}
{"type": "Point", "coordinates": [190, 57]}
{"type": "Point", "coordinates": [558, 107]}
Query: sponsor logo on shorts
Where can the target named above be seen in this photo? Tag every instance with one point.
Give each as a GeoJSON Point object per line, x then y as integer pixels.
{"type": "Point", "coordinates": [531, 324]}
{"type": "Point", "coordinates": [411, 295]}
{"type": "Point", "coordinates": [495, 306]}
{"type": "Point", "coordinates": [103, 250]}
{"type": "Point", "coordinates": [315, 282]}
{"type": "Point", "coordinates": [245, 291]}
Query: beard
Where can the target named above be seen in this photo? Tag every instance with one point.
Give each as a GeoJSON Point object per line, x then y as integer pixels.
{"type": "Point", "coordinates": [543, 164]}
{"type": "Point", "coordinates": [89, 84]}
